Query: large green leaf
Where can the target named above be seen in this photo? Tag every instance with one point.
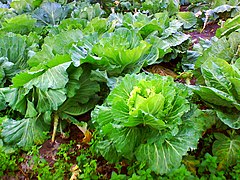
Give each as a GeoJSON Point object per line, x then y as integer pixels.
{"type": "Point", "coordinates": [49, 100]}
{"type": "Point", "coordinates": [126, 141]}
{"type": "Point", "coordinates": [225, 48]}
{"type": "Point", "coordinates": [162, 157]}
{"type": "Point", "coordinates": [62, 42]}
{"type": "Point", "coordinates": [24, 5]}
{"type": "Point", "coordinates": [25, 132]}
{"type": "Point", "coordinates": [230, 26]}
{"type": "Point", "coordinates": [14, 48]}
{"type": "Point", "coordinates": [54, 78]}
{"type": "Point", "coordinates": [187, 18]}
{"type": "Point", "coordinates": [75, 107]}
{"type": "Point", "coordinates": [50, 13]}
{"type": "Point", "coordinates": [16, 98]}
{"type": "Point", "coordinates": [230, 118]}
{"type": "Point", "coordinates": [216, 72]}
{"type": "Point", "coordinates": [215, 96]}
{"type": "Point", "coordinates": [226, 148]}
{"type": "Point", "coordinates": [21, 24]}
{"type": "Point", "coordinates": [81, 92]}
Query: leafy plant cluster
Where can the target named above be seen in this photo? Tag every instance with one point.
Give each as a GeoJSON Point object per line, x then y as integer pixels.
{"type": "Point", "coordinates": [60, 59]}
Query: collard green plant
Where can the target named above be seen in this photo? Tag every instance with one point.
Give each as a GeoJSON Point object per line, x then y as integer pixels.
{"type": "Point", "coordinates": [13, 57]}
{"type": "Point", "coordinates": [52, 90]}
{"type": "Point", "coordinates": [226, 48]}
{"type": "Point", "coordinates": [87, 11]}
{"type": "Point", "coordinates": [187, 18]}
{"type": "Point", "coordinates": [119, 52]}
{"type": "Point", "coordinates": [227, 148]}
{"type": "Point", "coordinates": [21, 24]}
{"type": "Point", "coordinates": [154, 6]}
{"type": "Point", "coordinates": [21, 6]}
{"type": "Point", "coordinates": [230, 26]}
{"type": "Point", "coordinates": [50, 14]}
{"type": "Point", "coordinates": [147, 118]}
{"type": "Point", "coordinates": [221, 90]}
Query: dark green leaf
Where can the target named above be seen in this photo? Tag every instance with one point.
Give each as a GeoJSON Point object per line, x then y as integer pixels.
{"type": "Point", "coordinates": [25, 132]}
{"type": "Point", "coordinates": [226, 148]}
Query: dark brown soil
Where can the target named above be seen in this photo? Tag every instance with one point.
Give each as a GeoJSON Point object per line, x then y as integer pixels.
{"type": "Point", "coordinates": [207, 33]}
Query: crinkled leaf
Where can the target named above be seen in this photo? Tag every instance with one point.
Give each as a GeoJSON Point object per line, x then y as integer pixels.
{"type": "Point", "coordinates": [21, 24]}
{"type": "Point", "coordinates": [24, 133]}
{"type": "Point", "coordinates": [226, 148]}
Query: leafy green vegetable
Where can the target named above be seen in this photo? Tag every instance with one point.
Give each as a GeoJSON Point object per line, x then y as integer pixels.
{"type": "Point", "coordinates": [25, 5]}
{"type": "Point", "coordinates": [221, 91]}
{"type": "Point", "coordinates": [225, 48]}
{"type": "Point", "coordinates": [50, 14]}
{"type": "Point", "coordinates": [13, 57]}
{"type": "Point", "coordinates": [87, 11]}
{"type": "Point", "coordinates": [21, 24]}
{"type": "Point", "coordinates": [154, 6]}
{"type": "Point", "coordinates": [226, 148]}
{"type": "Point", "coordinates": [187, 18]}
{"type": "Point", "coordinates": [53, 87]}
{"type": "Point", "coordinates": [25, 132]}
{"type": "Point", "coordinates": [56, 45]}
{"type": "Point", "coordinates": [148, 118]}
{"type": "Point", "coordinates": [2, 101]}
{"type": "Point", "coordinates": [118, 52]}
{"type": "Point", "coordinates": [230, 26]}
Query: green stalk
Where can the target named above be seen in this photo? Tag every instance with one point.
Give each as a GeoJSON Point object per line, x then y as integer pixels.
{"type": "Point", "coordinates": [55, 124]}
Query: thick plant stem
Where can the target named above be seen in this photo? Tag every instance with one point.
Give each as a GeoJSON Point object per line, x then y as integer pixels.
{"type": "Point", "coordinates": [55, 124]}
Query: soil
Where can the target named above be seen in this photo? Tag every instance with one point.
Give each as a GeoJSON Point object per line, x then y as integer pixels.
{"type": "Point", "coordinates": [207, 33]}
